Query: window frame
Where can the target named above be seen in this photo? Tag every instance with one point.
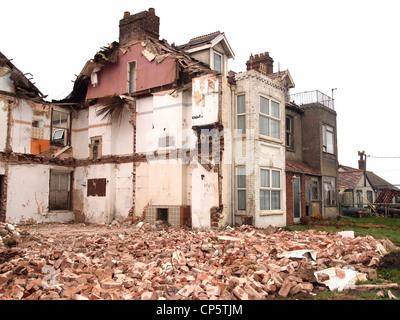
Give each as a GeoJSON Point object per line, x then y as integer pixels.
{"type": "Point", "coordinates": [289, 132]}
{"type": "Point", "coordinates": [328, 147]}
{"type": "Point", "coordinates": [330, 192]}
{"type": "Point", "coordinates": [270, 188]}
{"type": "Point", "coordinates": [131, 68]}
{"type": "Point", "coordinates": [221, 62]}
{"type": "Point", "coordinates": [240, 188]}
{"type": "Point", "coordinates": [243, 114]}
{"type": "Point", "coordinates": [270, 118]}
{"type": "Point", "coordinates": [66, 137]}
{"type": "Point", "coordinates": [69, 188]}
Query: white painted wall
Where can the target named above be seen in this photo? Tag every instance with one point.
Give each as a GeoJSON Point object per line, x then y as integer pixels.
{"type": "Point", "coordinates": [79, 136]}
{"type": "Point", "coordinates": [205, 100]}
{"type": "Point", "coordinates": [204, 195]}
{"type": "Point", "coordinates": [3, 123]}
{"type": "Point", "coordinates": [28, 195]}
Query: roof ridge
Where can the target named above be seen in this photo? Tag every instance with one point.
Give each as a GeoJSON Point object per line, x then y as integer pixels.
{"type": "Point", "coordinates": [205, 35]}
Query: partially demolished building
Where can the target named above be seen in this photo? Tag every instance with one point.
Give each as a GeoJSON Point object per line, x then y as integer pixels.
{"type": "Point", "coordinates": [150, 129]}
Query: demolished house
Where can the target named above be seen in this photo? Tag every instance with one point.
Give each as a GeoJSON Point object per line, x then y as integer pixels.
{"type": "Point", "coordinates": [152, 130]}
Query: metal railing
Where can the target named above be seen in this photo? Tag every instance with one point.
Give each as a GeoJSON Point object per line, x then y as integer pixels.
{"type": "Point", "coordinates": [308, 97]}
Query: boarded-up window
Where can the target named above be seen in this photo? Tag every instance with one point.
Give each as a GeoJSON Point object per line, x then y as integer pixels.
{"type": "Point", "coordinates": [96, 188]}
{"type": "Point", "coordinates": [60, 183]}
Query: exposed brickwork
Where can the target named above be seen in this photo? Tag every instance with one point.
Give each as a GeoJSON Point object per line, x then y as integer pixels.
{"type": "Point", "coordinates": [138, 26]}
{"type": "Point", "coordinates": [259, 61]}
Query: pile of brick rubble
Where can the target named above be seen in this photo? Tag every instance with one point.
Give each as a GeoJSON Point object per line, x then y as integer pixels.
{"type": "Point", "coordinates": [144, 262]}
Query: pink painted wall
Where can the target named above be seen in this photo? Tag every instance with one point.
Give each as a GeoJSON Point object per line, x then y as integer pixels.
{"type": "Point", "coordinates": [113, 77]}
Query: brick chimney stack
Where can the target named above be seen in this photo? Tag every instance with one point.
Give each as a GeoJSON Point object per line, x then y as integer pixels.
{"type": "Point", "coordinates": [261, 62]}
{"type": "Point", "coordinates": [139, 26]}
{"type": "Point", "coordinates": [362, 161]}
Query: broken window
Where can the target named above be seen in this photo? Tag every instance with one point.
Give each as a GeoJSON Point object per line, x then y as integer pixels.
{"type": "Point", "coordinates": [330, 191]}
{"type": "Point", "coordinates": [241, 113]}
{"type": "Point", "coordinates": [270, 122]}
{"type": "Point", "coordinates": [289, 132]}
{"type": "Point", "coordinates": [60, 127]}
{"type": "Point", "coordinates": [95, 151]}
{"type": "Point", "coordinates": [96, 187]}
{"type": "Point", "coordinates": [217, 62]}
{"type": "Point", "coordinates": [328, 139]}
{"type": "Point", "coordinates": [241, 188]}
{"type": "Point", "coordinates": [60, 190]}
{"type": "Point", "coordinates": [270, 189]}
{"type": "Point", "coordinates": [131, 77]}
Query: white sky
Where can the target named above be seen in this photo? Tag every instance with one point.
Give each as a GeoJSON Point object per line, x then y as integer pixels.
{"type": "Point", "coordinates": [350, 45]}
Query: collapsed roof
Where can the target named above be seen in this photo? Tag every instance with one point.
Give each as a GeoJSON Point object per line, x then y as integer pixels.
{"type": "Point", "coordinates": [155, 49]}
{"type": "Point", "coordinates": [22, 85]}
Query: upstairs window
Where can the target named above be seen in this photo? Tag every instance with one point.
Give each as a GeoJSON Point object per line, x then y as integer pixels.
{"type": "Point", "coordinates": [328, 137]}
{"type": "Point", "coordinates": [270, 115]}
{"type": "Point", "coordinates": [241, 113]}
{"type": "Point", "coordinates": [217, 62]}
{"type": "Point", "coordinates": [289, 132]}
{"type": "Point", "coordinates": [60, 124]}
{"type": "Point", "coordinates": [131, 77]}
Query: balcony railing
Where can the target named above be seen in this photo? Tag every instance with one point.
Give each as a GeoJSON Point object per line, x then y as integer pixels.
{"type": "Point", "coordinates": [308, 97]}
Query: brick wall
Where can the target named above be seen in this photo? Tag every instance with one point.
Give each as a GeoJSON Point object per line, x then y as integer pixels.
{"type": "Point", "coordinates": [138, 26]}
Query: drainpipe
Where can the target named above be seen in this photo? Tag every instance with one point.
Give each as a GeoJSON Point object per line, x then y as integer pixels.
{"type": "Point", "coordinates": [232, 111]}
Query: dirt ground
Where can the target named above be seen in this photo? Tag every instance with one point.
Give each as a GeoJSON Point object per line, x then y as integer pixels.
{"type": "Point", "coordinates": [390, 261]}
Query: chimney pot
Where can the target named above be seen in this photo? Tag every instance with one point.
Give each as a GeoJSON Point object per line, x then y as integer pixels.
{"type": "Point", "coordinates": [152, 11]}
{"type": "Point", "coordinates": [126, 14]}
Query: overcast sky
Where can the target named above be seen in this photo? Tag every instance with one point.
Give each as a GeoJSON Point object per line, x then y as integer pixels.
{"type": "Point", "coordinates": [350, 45]}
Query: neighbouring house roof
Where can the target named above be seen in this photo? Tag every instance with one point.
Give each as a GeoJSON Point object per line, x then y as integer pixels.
{"type": "Point", "coordinates": [349, 177]}
{"type": "Point", "coordinates": [208, 41]}
{"type": "Point", "coordinates": [282, 76]}
{"type": "Point", "coordinates": [300, 167]}
{"type": "Point", "coordinates": [348, 180]}
{"type": "Point", "coordinates": [23, 86]}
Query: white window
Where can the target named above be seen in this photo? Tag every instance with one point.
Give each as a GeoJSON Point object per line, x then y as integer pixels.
{"type": "Point", "coordinates": [131, 77]}
{"type": "Point", "coordinates": [270, 115]}
{"type": "Point", "coordinates": [241, 113]}
{"type": "Point", "coordinates": [329, 191]}
{"type": "Point", "coordinates": [241, 188]}
{"type": "Point", "coordinates": [217, 62]}
{"type": "Point", "coordinates": [270, 190]}
{"type": "Point", "coordinates": [328, 135]}
{"type": "Point", "coordinates": [60, 127]}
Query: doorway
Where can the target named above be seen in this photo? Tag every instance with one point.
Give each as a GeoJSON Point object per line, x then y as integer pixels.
{"type": "Point", "coordinates": [296, 199]}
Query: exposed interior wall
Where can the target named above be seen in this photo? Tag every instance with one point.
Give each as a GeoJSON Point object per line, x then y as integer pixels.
{"type": "Point", "coordinates": [145, 70]}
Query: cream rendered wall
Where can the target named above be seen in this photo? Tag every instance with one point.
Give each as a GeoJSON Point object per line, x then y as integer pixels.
{"type": "Point", "coordinates": [79, 136]}
{"type": "Point", "coordinates": [28, 195]}
{"type": "Point", "coordinates": [260, 151]}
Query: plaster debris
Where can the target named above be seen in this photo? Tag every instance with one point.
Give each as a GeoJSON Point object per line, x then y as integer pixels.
{"type": "Point", "coordinates": [135, 260]}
